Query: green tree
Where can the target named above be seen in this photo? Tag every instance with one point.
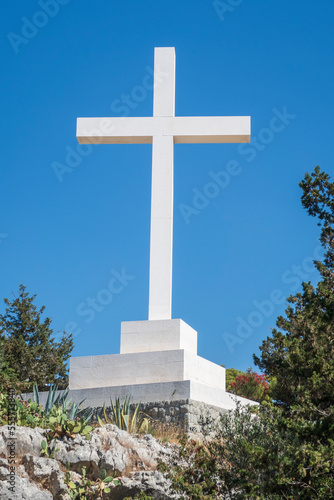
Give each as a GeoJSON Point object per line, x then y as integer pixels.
{"type": "Point", "coordinates": [282, 449]}
{"type": "Point", "coordinates": [300, 355]}
{"type": "Point", "coordinates": [240, 457]}
{"type": "Point", "coordinates": [8, 377]}
{"type": "Point", "coordinates": [248, 385]}
{"type": "Point", "coordinates": [231, 374]}
{"type": "Point", "coordinates": [29, 352]}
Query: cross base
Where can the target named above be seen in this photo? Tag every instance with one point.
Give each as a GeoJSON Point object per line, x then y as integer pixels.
{"type": "Point", "coordinates": [157, 335]}
{"type": "Point", "coordinates": [158, 362]}
{"type": "Point", "coordinates": [152, 352]}
{"type": "Point", "coordinates": [183, 390]}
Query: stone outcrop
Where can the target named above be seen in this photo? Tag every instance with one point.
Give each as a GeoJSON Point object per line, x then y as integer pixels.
{"type": "Point", "coordinates": [132, 458]}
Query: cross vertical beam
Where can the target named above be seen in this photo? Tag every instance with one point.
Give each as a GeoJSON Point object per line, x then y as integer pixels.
{"type": "Point", "coordinates": [162, 194]}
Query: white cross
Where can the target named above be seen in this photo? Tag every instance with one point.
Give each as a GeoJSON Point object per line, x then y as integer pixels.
{"type": "Point", "coordinates": [163, 130]}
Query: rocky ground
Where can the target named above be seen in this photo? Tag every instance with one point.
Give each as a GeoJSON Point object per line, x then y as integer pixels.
{"type": "Point", "coordinates": [132, 458]}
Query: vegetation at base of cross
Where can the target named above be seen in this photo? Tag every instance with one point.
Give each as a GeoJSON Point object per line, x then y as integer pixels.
{"type": "Point", "coordinates": [249, 384]}
{"type": "Point", "coordinates": [139, 422]}
{"type": "Point", "coordinates": [60, 416]}
{"type": "Point", "coordinates": [242, 456]}
{"type": "Point", "coordinates": [49, 448]}
{"type": "Point", "coordinates": [8, 377]}
{"type": "Point", "coordinates": [87, 488]}
{"type": "Point", "coordinates": [300, 355]}
{"type": "Point", "coordinates": [123, 419]}
{"type": "Point", "coordinates": [29, 353]}
{"type": "Point", "coordinates": [61, 425]}
{"type": "Point", "coordinates": [27, 413]}
{"type": "Point", "coordinates": [141, 496]}
{"type": "Point", "coordinates": [283, 449]}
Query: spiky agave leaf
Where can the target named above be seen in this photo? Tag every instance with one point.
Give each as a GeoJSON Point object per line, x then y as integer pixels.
{"type": "Point", "coordinates": [125, 423]}
{"type": "Point", "coordinates": [60, 399]}
{"type": "Point", "coordinates": [73, 411]}
{"type": "Point", "coordinates": [50, 399]}
{"type": "Point", "coordinates": [134, 419]}
{"type": "Point", "coordinates": [143, 426]}
{"type": "Point", "coordinates": [87, 414]}
{"type": "Point", "coordinates": [108, 421]}
{"type": "Point", "coordinates": [36, 393]}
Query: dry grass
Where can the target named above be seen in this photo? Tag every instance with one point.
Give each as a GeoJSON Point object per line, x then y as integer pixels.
{"type": "Point", "coordinates": [162, 431]}
{"type": "Point", "coordinates": [166, 433]}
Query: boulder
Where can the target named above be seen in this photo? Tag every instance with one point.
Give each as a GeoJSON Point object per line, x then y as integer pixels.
{"type": "Point", "coordinates": [132, 458]}
{"type": "Point", "coordinates": [46, 472]}
{"type": "Point", "coordinates": [21, 488]}
{"type": "Point", "coordinates": [153, 483]}
{"type": "Point", "coordinates": [27, 440]}
{"type": "Point", "coordinates": [111, 449]}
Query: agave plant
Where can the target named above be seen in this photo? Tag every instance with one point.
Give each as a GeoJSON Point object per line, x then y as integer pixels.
{"type": "Point", "coordinates": [59, 400]}
{"type": "Point", "coordinates": [123, 419]}
{"type": "Point", "coordinates": [53, 398]}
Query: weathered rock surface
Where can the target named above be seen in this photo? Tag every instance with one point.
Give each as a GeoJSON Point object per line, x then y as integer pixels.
{"type": "Point", "coordinates": [20, 487]}
{"type": "Point", "coordinates": [46, 472]}
{"type": "Point", "coordinates": [132, 458]}
{"type": "Point", "coordinates": [27, 440]}
{"type": "Point", "coordinates": [111, 449]}
{"type": "Point", "coordinates": [153, 483]}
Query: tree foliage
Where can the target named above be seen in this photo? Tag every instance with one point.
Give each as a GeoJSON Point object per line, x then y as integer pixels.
{"type": "Point", "coordinates": [240, 458]}
{"type": "Point", "coordinates": [29, 353]}
{"type": "Point", "coordinates": [231, 374]}
{"type": "Point", "coordinates": [300, 355]}
{"type": "Point", "coordinates": [248, 385]}
{"type": "Point", "coordinates": [283, 449]}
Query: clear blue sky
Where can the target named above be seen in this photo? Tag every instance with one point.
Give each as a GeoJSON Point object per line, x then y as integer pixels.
{"type": "Point", "coordinates": [71, 218]}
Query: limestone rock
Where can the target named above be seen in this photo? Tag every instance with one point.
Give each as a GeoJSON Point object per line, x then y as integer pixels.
{"type": "Point", "coordinates": [111, 449]}
{"type": "Point", "coordinates": [46, 472]}
{"type": "Point", "coordinates": [3, 474]}
{"type": "Point", "coordinates": [27, 440]}
{"type": "Point", "coordinates": [133, 458]}
{"type": "Point", "coordinates": [23, 490]}
{"type": "Point", "coordinates": [153, 483]}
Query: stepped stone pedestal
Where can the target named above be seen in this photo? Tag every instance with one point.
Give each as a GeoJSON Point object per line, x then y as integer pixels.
{"type": "Point", "coordinates": [158, 361]}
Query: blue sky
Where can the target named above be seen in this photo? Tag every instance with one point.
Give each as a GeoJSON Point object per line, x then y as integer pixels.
{"type": "Point", "coordinates": [72, 218]}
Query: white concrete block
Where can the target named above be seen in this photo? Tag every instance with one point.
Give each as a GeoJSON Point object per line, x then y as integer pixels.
{"type": "Point", "coordinates": [82, 361]}
{"type": "Point", "coordinates": [145, 368]}
{"type": "Point", "coordinates": [158, 335]}
{"type": "Point", "coordinates": [164, 391]}
{"type": "Point", "coordinates": [128, 369]}
{"type": "Point", "coordinates": [203, 371]}
{"type": "Point", "coordinates": [216, 397]}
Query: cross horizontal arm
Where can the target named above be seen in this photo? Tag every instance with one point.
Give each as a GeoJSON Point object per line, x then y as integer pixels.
{"type": "Point", "coordinates": [184, 129]}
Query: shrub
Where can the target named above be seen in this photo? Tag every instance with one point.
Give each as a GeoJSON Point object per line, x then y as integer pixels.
{"type": "Point", "coordinates": [27, 413]}
{"type": "Point", "coordinates": [87, 488]}
{"type": "Point", "coordinates": [60, 416]}
{"type": "Point", "coordinates": [123, 419]}
{"type": "Point", "coordinates": [251, 385]}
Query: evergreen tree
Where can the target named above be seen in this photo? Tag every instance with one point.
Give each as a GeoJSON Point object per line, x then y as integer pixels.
{"type": "Point", "coordinates": [282, 449]}
{"type": "Point", "coordinates": [28, 349]}
{"type": "Point", "coordinates": [300, 355]}
{"type": "Point", "coordinates": [8, 377]}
